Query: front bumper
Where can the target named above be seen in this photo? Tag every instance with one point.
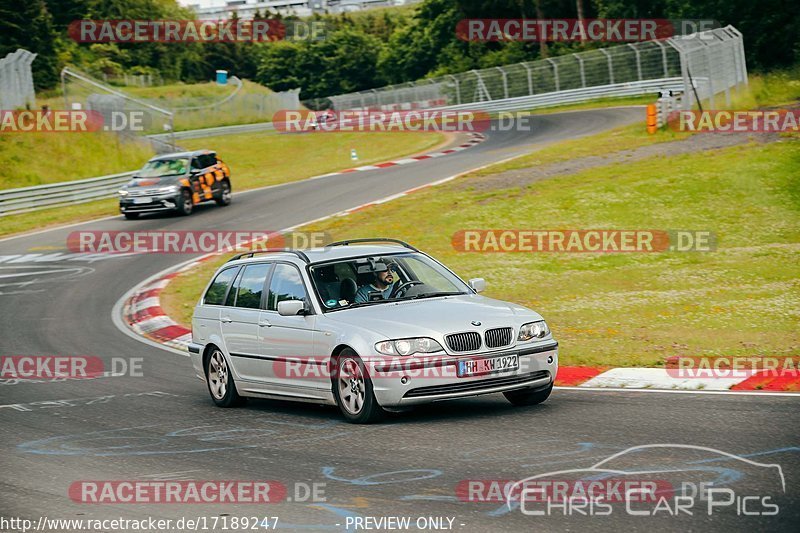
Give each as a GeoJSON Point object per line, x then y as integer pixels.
{"type": "Point", "coordinates": [149, 204]}
{"type": "Point", "coordinates": [436, 381]}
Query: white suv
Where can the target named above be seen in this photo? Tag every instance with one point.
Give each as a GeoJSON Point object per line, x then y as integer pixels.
{"type": "Point", "coordinates": [370, 328]}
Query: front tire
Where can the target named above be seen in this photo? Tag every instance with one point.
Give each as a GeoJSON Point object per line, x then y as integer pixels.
{"type": "Point", "coordinates": [131, 216]}
{"type": "Point", "coordinates": [185, 203]}
{"type": "Point", "coordinates": [352, 388]}
{"type": "Point", "coordinates": [526, 397]}
{"type": "Point", "coordinates": [224, 195]}
{"type": "Point", "coordinates": [220, 381]}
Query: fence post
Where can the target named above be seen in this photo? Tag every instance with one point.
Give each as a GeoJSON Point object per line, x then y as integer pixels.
{"type": "Point", "coordinates": [505, 81]}
{"type": "Point", "coordinates": [638, 60]}
{"type": "Point", "coordinates": [555, 71]}
{"type": "Point", "coordinates": [458, 90]}
{"type": "Point", "coordinates": [610, 66]}
{"type": "Point", "coordinates": [663, 57]}
{"type": "Point", "coordinates": [530, 78]}
{"type": "Point", "coordinates": [583, 73]}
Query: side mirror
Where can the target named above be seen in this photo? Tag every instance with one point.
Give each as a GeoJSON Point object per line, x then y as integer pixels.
{"type": "Point", "coordinates": [477, 284]}
{"type": "Point", "coordinates": [291, 307]}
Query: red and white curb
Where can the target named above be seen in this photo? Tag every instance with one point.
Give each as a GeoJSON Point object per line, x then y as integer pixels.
{"type": "Point", "coordinates": [475, 138]}
{"type": "Point", "coordinates": [663, 379]}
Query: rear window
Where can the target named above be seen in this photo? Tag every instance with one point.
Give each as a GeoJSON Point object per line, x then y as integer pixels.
{"type": "Point", "coordinates": [215, 294]}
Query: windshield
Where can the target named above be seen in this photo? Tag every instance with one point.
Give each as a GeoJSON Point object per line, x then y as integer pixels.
{"type": "Point", "coordinates": [379, 279]}
{"type": "Point", "coordinates": [164, 167]}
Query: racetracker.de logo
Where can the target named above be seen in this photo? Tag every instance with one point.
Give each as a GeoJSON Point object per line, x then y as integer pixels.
{"type": "Point", "coordinates": [51, 367]}
{"type": "Point", "coordinates": [567, 30]}
{"type": "Point", "coordinates": [176, 31]}
{"type": "Point", "coordinates": [583, 241]}
{"type": "Point", "coordinates": [50, 121]}
{"type": "Point", "coordinates": [190, 242]}
{"type": "Point", "coordinates": [291, 121]}
{"type": "Point", "coordinates": [733, 121]}
{"type": "Point", "coordinates": [721, 367]}
{"type": "Point", "coordinates": [610, 490]}
{"type": "Point", "coordinates": [177, 492]}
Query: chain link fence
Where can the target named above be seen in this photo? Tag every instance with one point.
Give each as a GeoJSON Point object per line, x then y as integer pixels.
{"type": "Point", "coordinates": [158, 119]}
{"type": "Point", "coordinates": [16, 81]}
{"type": "Point", "coordinates": [705, 64]}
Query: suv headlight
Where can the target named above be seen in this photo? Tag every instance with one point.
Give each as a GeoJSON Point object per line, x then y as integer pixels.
{"type": "Point", "coordinates": [408, 346]}
{"type": "Point", "coordinates": [168, 188]}
{"type": "Point", "coordinates": [123, 192]}
{"type": "Point", "coordinates": [533, 330]}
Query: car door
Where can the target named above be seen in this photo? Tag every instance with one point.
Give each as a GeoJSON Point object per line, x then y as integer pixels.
{"type": "Point", "coordinates": [289, 340]}
{"type": "Point", "coordinates": [239, 321]}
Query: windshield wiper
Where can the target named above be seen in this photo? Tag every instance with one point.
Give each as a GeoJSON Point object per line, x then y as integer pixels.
{"type": "Point", "coordinates": [431, 295]}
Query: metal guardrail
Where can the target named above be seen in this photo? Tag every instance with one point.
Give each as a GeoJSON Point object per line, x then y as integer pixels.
{"type": "Point", "coordinates": [26, 199]}
{"type": "Point", "coordinates": [571, 96]}
{"type": "Point", "coordinates": [35, 198]}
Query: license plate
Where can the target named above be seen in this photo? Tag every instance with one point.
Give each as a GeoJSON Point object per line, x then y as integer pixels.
{"type": "Point", "coordinates": [478, 367]}
{"type": "Point", "coordinates": [145, 200]}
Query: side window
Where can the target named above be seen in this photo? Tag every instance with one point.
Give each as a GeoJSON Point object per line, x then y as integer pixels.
{"type": "Point", "coordinates": [286, 284]}
{"type": "Point", "coordinates": [251, 286]}
{"type": "Point", "coordinates": [196, 164]}
{"type": "Point", "coordinates": [230, 301]}
{"type": "Point", "coordinates": [207, 160]}
{"type": "Point", "coordinates": [216, 291]}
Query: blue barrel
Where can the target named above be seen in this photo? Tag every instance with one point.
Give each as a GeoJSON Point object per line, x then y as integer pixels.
{"type": "Point", "coordinates": [222, 77]}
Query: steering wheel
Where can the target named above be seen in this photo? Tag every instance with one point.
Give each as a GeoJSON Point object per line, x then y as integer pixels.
{"type": "Point", "coordinates": [402, 287]}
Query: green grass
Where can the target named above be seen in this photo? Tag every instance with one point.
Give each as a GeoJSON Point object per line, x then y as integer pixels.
{"type": "Point", "coordinates": [29, 159]}
{"type": "Point", "coordinates": [269, 158]}
{"type": "Point", "coordinates": [255, 160]}
{"type": "Point", "coordinates": [622, 309]}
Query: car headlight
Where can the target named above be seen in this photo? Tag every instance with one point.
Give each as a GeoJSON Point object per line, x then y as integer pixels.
{"type": "Point", "coordinates": [123, 192]}
{"type": "Point", "coordinates": [168, 188]}
{"type": "Point", "coordinates": [533, 330]}
{"type": "Point", "coordinates": [408, 346]}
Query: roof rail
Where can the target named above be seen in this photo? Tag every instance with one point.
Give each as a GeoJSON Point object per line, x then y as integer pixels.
{"type": "Point", "coordinates": [377, 239]}
{"type": "Point", "coordinates": [251, 253]}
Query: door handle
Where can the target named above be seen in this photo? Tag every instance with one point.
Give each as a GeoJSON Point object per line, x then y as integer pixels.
{"type": "Point", "coordinates": [226, 320]}
{"type": "Point", "coordinates": [264, 324]}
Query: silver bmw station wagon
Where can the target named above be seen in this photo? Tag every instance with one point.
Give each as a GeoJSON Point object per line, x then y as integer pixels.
{"type": "Point", "coordinates": [368, 325]}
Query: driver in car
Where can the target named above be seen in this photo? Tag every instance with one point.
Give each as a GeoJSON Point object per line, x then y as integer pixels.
{"type": "Point", "coordinates": [385, 277]}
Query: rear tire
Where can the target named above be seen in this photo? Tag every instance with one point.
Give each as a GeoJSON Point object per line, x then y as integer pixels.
{"type": "Point", "coordinates": [220, 381]}
{"type": "Point", "coordinates": [131, 216]}
{"type": "Point", "coordinates": [224, 195]}
{"type": "Point", "coordinates": [526, 397]}
{"type": "Point", "coordinates": [185, 203]}
{"type": "Point", "coordinates": [352, 388]}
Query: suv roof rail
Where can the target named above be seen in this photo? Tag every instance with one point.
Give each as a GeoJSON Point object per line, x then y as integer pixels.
{"type": "Point", "coordinates": [377, 239]}
{"type": "Point", "coordinates": [251, 253]}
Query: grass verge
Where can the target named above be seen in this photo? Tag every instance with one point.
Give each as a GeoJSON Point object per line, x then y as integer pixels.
{"type": "Point", "coordinates": [256, 160]}
{"type": "Point", "coordinates": [622, 309]}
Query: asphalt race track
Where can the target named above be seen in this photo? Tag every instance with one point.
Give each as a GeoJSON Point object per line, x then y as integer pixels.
{"type": "Point", "coordinates": [163, 426]}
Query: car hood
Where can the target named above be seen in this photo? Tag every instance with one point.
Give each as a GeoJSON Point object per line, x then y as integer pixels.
{"type": "Point", "coordinates": [160, 181]}
{"type": "Point", "coordinates": [435, 317]}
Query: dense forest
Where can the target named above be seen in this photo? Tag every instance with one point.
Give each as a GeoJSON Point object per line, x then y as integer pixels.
{"type": "Point", "coordinates": [362, 50]}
